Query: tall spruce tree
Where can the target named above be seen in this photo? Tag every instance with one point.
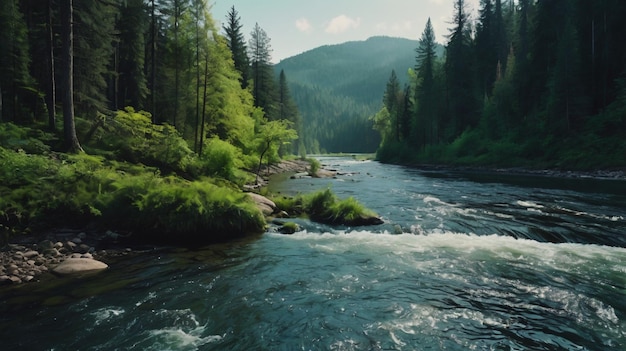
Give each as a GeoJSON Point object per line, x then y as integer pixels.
{"type": "Point", "coordinates": [264, 87]}
{"type": "Point", "coordinates": [67, 75]}
{"type": "Point", "coordinates": [391, 100]}
{"type": "Point", "coordinates": [237, 45]}
{"type": "Point", "coordinates": [15, 78]}
{"type": "Point", "coordinates": [424, 128]}
{"type": "Point", "coordinates": [461, 98]}
{"type": "Point", "coordinates": [94, 51]}
{"type": "Point", "coordinates": [132, 26]}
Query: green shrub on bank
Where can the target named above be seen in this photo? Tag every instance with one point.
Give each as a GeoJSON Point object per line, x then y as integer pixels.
{"type": "Point", "coordinates": [314, 167]}
{"type": "Point", "coordinates": [194, 212]}
{"type": "Point", "coordinates": [324, 207]}
{"type": "Point", "coordinates": [41, 192]}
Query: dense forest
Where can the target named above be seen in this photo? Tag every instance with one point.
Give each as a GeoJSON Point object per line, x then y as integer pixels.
{"type": "Point", "coordinates": [162, 116]}
{"type": "Point", "coordinates": [337, 88]}
{"type": "Point", "coordinates": [528, 83]}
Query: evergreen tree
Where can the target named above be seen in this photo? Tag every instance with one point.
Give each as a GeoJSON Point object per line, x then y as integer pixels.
{"type": "Point", "coordinates": [424, 129]}
{"type": "Point", "coordinates": [263, 89]}
{"type": "Point", "coordinates": [287, 108]}
{"type": "Point", "coordinates": [15, 79]}
{"type": "Point", "coordinates": [486, 51]}
{"type": "Point", "coordinates": [237, 45]}
{"type": "Point", "coordinates": [94, 52]}
{"type": "Point", "coordinates": [566, 100]}
{"type": "Point", "coordinates": [391, 100]}
{"type": "Point", "coordinates": [67, 75]}
{"type": "Point", "coordinates": [460, 87]}
{"type": "Point", "coordinates": [132, 26]}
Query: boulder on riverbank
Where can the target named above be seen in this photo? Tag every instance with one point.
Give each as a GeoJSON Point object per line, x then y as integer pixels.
{"type": "Point", "coordinates": [79, 265]}
{"type": "Point", "coordinates": [267, 206]}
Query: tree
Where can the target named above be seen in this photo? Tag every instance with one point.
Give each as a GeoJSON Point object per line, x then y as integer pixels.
{"type": "Point", "coordinates": [391, 100]}
{"type": "Point", "coordinates": [271, 136]}
{"type": "Point", "coordinates": [132, 26]}
{"type": "Point", "coordinates": [287, 108]}
{"type": "Point", "coordinates": [486, 51]}
{"type": "Point", "coordinates": [263, 88]}
{"type": "Point", "coordinates": [94, 51]}
{"type": "Point", "coordinates": [566, 99]}
{"type": "Point", "coordinates": [237, 45]}
{"type": "Point", "coordinates": [67, 76]}
{"type": "Point", "coordinates": [462, 104]}
{"type": "Point", "coordinates": [15, 78]}
{"type": "Point", "coordinates": [425, 124]}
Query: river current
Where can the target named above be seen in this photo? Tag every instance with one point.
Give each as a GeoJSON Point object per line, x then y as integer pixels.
{"type": "Point", "coordinates": [464, 261]}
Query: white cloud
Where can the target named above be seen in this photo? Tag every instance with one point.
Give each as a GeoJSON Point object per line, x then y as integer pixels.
{"type": "Point", "coordinates": [304, 25]}
{"type": "Point", "coordinates": [341, 24]}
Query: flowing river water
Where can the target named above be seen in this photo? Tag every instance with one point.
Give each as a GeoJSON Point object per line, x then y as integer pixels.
{"type": "Point", "coordinates": [464, 261]}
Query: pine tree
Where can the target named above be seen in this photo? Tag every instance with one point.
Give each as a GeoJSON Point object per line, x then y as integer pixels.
{"type": "Point", "coordinates": [15, 78]}
{"type": "Point", "coordinates": [424, 129]}
{"type": "Point", "coordinates": [237, 45]}
{"type": "Point", "coordinates": [94, 52]}
{"type": "Point", "coordinates": [460, 85]}
{"type": "Point", "coordinates": [132, 26]}
{"type": "Point", "coordinates": [486, 53]}
{"type": "Point", "coordinates": [287, 107]}
{"type": "Point", "coordinates": [67, 76]}
{"type": "Point", "coordinates": [391, 100]}
{"type": "Point", "coordinates": [263, 89]}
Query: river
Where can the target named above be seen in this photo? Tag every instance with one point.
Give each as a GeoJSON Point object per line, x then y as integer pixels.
{"type": "Point", "coordinates": [464, 261]}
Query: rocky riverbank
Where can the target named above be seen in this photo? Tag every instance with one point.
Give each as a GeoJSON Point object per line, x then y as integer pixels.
{"type": "Point", "coordinates": [63, 252]}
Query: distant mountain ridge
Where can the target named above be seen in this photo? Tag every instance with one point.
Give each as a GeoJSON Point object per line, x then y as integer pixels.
{"type": "Point", "coordinates": [338, 87]}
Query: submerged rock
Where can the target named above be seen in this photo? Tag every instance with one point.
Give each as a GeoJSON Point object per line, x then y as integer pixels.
{"type": "Point", "coordinates": [79, 265]}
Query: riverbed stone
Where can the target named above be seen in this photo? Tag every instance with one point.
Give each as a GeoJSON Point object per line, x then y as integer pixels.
{"type": "Point", "coordinates": [79, 265]}
{"type": "Point", "coordinates": [31, 254]}
{"type": "Point", "coordinates": [45, 245]}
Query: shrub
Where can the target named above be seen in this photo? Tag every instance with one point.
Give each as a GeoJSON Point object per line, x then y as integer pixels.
{"type": "Point", "coordinates": [195, 212]}
{"type": "Point", "coordinates": [315, 166]}
{"type": "Point", "coordinates": [324, 206]}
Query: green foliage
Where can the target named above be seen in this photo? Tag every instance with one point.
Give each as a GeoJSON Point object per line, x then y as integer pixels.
{"type": "Point", "coordinates": [193, 212]}
{"type": "Point", "coordinates": [29, 140]}
{"type": "Point", "coordinates": [75, 190]}
{"type": "Point", "coordinates": [549, 103]}
{"type": "Point", "coordinates": [338, 87]}
{"type": "Point", "coordinates": [134, 138]}
{"type": "Point", "coordinates": [324, 207]}
{"type": "Point", "coordinates": [221, 159]}
{"type": "Point", "coordinates": [315, 166]}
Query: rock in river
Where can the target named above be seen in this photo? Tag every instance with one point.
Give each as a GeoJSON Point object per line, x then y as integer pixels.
{"type": "Point", "coordinates": [79, 265]}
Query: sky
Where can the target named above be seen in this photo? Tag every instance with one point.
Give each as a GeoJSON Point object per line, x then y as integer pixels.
{"type": "Point", "coordinates": [296, 26]}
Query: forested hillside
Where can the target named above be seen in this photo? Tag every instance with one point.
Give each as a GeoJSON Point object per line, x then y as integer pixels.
{"type": "Point", "coordinates": [160, 117]}
{"type": "Point", "coordinates": [529, 83]}
{"type": "Point", "coordinates": [337, 88]}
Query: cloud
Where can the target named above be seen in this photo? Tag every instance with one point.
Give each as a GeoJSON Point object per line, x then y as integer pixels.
{"type": "Point", "coordinates": [401, 28]}
{"type": "Point", "coordinates": [341, 24]}
{"type": "Point", "coordinates": [304, 25]}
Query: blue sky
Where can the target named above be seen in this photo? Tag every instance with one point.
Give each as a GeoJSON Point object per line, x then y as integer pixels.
{"type": "Point", "coordinates": [296, 26]}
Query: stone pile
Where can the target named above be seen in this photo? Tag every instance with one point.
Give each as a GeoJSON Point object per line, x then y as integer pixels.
{"type": "Point", "coordinates": [23, 262]}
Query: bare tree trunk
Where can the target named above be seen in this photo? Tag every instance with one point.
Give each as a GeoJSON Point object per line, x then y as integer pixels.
{"type": "Point", "coordinates": [51, 98]}
{"type": "Point", "coordinates": [67, 72]}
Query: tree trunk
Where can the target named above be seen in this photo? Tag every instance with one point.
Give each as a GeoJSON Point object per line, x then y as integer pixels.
{"type": "Point", "coordinates": [153, 64]}
{"type": "Point", "coordinates": [67, 57]}
{"type": "Point", "coordinates": [51, 98]}
{"type": "Point", "coordinates": [206, 79]}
